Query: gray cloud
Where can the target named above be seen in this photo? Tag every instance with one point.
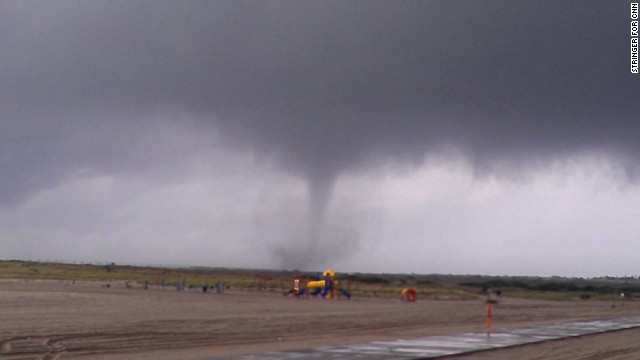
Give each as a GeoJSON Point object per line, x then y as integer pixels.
{"type": "Point", "coordinates": [134, 87]}
{"type": "Point", "coordinates": [327, 84]}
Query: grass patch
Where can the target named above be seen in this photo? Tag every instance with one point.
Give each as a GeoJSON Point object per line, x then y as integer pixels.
{"type": "Point", "coordinates": [429, 287]}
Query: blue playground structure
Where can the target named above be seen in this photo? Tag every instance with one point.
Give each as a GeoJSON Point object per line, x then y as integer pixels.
{"type": "Point", "coordinates": [325, 285]}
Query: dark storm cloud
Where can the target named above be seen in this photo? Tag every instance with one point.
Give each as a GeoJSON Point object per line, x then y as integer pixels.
{"type": "Point", "coordinates": [326, 86]}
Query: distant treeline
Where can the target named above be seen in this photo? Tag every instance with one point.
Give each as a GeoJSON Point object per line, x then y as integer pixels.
{"type": "Point", "coordinates": [390, 279]}
{"type": "Point", "coordinates": [554, 286]}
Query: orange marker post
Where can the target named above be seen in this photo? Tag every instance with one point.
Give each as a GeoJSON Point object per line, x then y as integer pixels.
{"type": "Point", "coordinates": [488, 318]}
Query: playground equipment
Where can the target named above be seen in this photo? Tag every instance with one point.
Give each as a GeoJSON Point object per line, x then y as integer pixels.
{"type": "Point", "coordinates": [325, 285]}
{"type": "Point", "coordinates": [409, 294]}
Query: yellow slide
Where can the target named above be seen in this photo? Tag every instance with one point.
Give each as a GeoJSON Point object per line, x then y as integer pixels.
{"type": "Point", "coordinates": [315, 284]}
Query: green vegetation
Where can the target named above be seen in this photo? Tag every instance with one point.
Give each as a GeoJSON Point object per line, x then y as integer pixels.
{"type": "Point", "coordinates": [360, 285]}
{"type": "Point", "coordinates": [152, 275]}
{"type": "Point", "coordinates": [433, 287]}
{"type": "Point", "coordinates": [558, 288]}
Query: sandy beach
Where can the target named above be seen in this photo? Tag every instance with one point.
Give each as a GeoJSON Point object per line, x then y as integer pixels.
{"type": "Point", "coordinates": [87, 320]}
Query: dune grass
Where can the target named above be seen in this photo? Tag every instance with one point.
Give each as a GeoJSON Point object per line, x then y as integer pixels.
{"type": "Point", "coordinates": [429, 287]}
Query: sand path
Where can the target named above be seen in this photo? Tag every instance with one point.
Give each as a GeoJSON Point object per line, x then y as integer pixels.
{"type": "Point", "coordinates": [58, 320]}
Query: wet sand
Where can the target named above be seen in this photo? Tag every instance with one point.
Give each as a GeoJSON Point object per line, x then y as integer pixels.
{"type": "Point", "coordinates": [60, 320]}
{"type": "Point", "coordinates": [615, 345]}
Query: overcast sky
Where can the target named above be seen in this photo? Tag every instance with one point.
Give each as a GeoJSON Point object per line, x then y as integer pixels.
{"type": "Point", "coordinates": [484, 137]}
